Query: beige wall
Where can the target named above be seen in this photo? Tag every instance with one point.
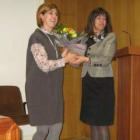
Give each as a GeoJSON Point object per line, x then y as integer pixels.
{"type": "Point", "coordinates": [17, 22]}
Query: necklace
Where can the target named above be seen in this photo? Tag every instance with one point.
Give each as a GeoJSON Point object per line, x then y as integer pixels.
{"type": "Point", "coordinates": [98, 38]}
{"type": "Point", "coordinates": [53, 44]}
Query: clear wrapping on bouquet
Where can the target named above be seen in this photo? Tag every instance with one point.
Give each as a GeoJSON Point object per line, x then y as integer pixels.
{"type": "Point", "coordinates": [77, 45]}
{"type": "Point", "coordinates": [78, 49]}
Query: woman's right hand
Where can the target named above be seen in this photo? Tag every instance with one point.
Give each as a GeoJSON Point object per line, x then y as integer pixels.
{"type": "Point", "coordinates": [65, 51]}
{"type": "Point", "coordinates": [69, 58]}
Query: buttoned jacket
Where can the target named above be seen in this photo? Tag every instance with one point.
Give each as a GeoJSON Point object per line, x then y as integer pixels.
{"type": "Point", "coordinates": [101, 55]}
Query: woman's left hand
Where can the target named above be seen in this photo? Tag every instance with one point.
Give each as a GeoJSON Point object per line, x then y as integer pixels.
{"type": "Point", "coordinates": [80, 59]}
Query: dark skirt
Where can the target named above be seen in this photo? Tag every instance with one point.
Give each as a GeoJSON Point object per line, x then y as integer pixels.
{"type": "Point", "coordinates": [98, 101]}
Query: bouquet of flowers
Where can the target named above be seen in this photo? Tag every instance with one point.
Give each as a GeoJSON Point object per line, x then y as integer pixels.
{"type": "Point", "coordinates": [67, 37]}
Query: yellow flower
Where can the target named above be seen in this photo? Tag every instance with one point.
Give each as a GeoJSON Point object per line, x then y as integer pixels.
{"type": "Point", "coordinates": [70, 33]}
{"type": "Point", "coordinates": [74, 35]}
{"type": "Point", "coordinates": [65, 30]}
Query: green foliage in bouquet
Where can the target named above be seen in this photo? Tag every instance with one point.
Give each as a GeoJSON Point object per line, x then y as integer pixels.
{"type": "Point", "coordinates": [67, 32]}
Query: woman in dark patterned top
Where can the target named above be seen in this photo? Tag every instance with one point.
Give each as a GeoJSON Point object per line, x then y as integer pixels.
{"type": "Point", "coordinates": [44, 76]}
{"type": "Point", "coordinates": [97, 108]}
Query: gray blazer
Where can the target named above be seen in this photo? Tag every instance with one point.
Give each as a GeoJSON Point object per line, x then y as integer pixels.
{"type": "Point", "coordinates": [101, 54]}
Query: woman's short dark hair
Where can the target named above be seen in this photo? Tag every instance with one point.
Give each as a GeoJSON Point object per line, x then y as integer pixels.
{"type": "Point", "coordinates": [44, 8]}
{"type": "Point", "coordinates": [91, 21]}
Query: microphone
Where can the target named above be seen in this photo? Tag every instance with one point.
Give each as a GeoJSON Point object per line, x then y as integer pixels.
{"type": "Point", "coordinates": [130, 42]}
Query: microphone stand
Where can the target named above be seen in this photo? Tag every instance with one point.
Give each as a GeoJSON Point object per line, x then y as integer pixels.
{"type": "Point", "coordinates": [129, 37]}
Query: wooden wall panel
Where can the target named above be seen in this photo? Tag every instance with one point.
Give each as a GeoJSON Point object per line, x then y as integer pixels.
{"type": "Point", "coordinates": [125, 16]}
{"type": "Point", "coordinates": [72, 15]}
{"type": "Point", "coordinates": [133, 20]}
{"type": "Point", "coordinates": [117, 10]}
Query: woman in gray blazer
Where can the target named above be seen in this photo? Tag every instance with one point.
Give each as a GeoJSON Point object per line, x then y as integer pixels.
{"type": "Point", "coordinates": [98, 99]}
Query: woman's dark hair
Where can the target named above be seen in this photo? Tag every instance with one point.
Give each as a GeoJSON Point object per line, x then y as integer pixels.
{"type": "Point", "coordinates": [91, 21]}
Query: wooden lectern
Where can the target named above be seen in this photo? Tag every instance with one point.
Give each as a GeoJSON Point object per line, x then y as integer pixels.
{"type": "Point", "coordinates": [128, 93]}
{"type": "Point", "coordinates": [8, 129]}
